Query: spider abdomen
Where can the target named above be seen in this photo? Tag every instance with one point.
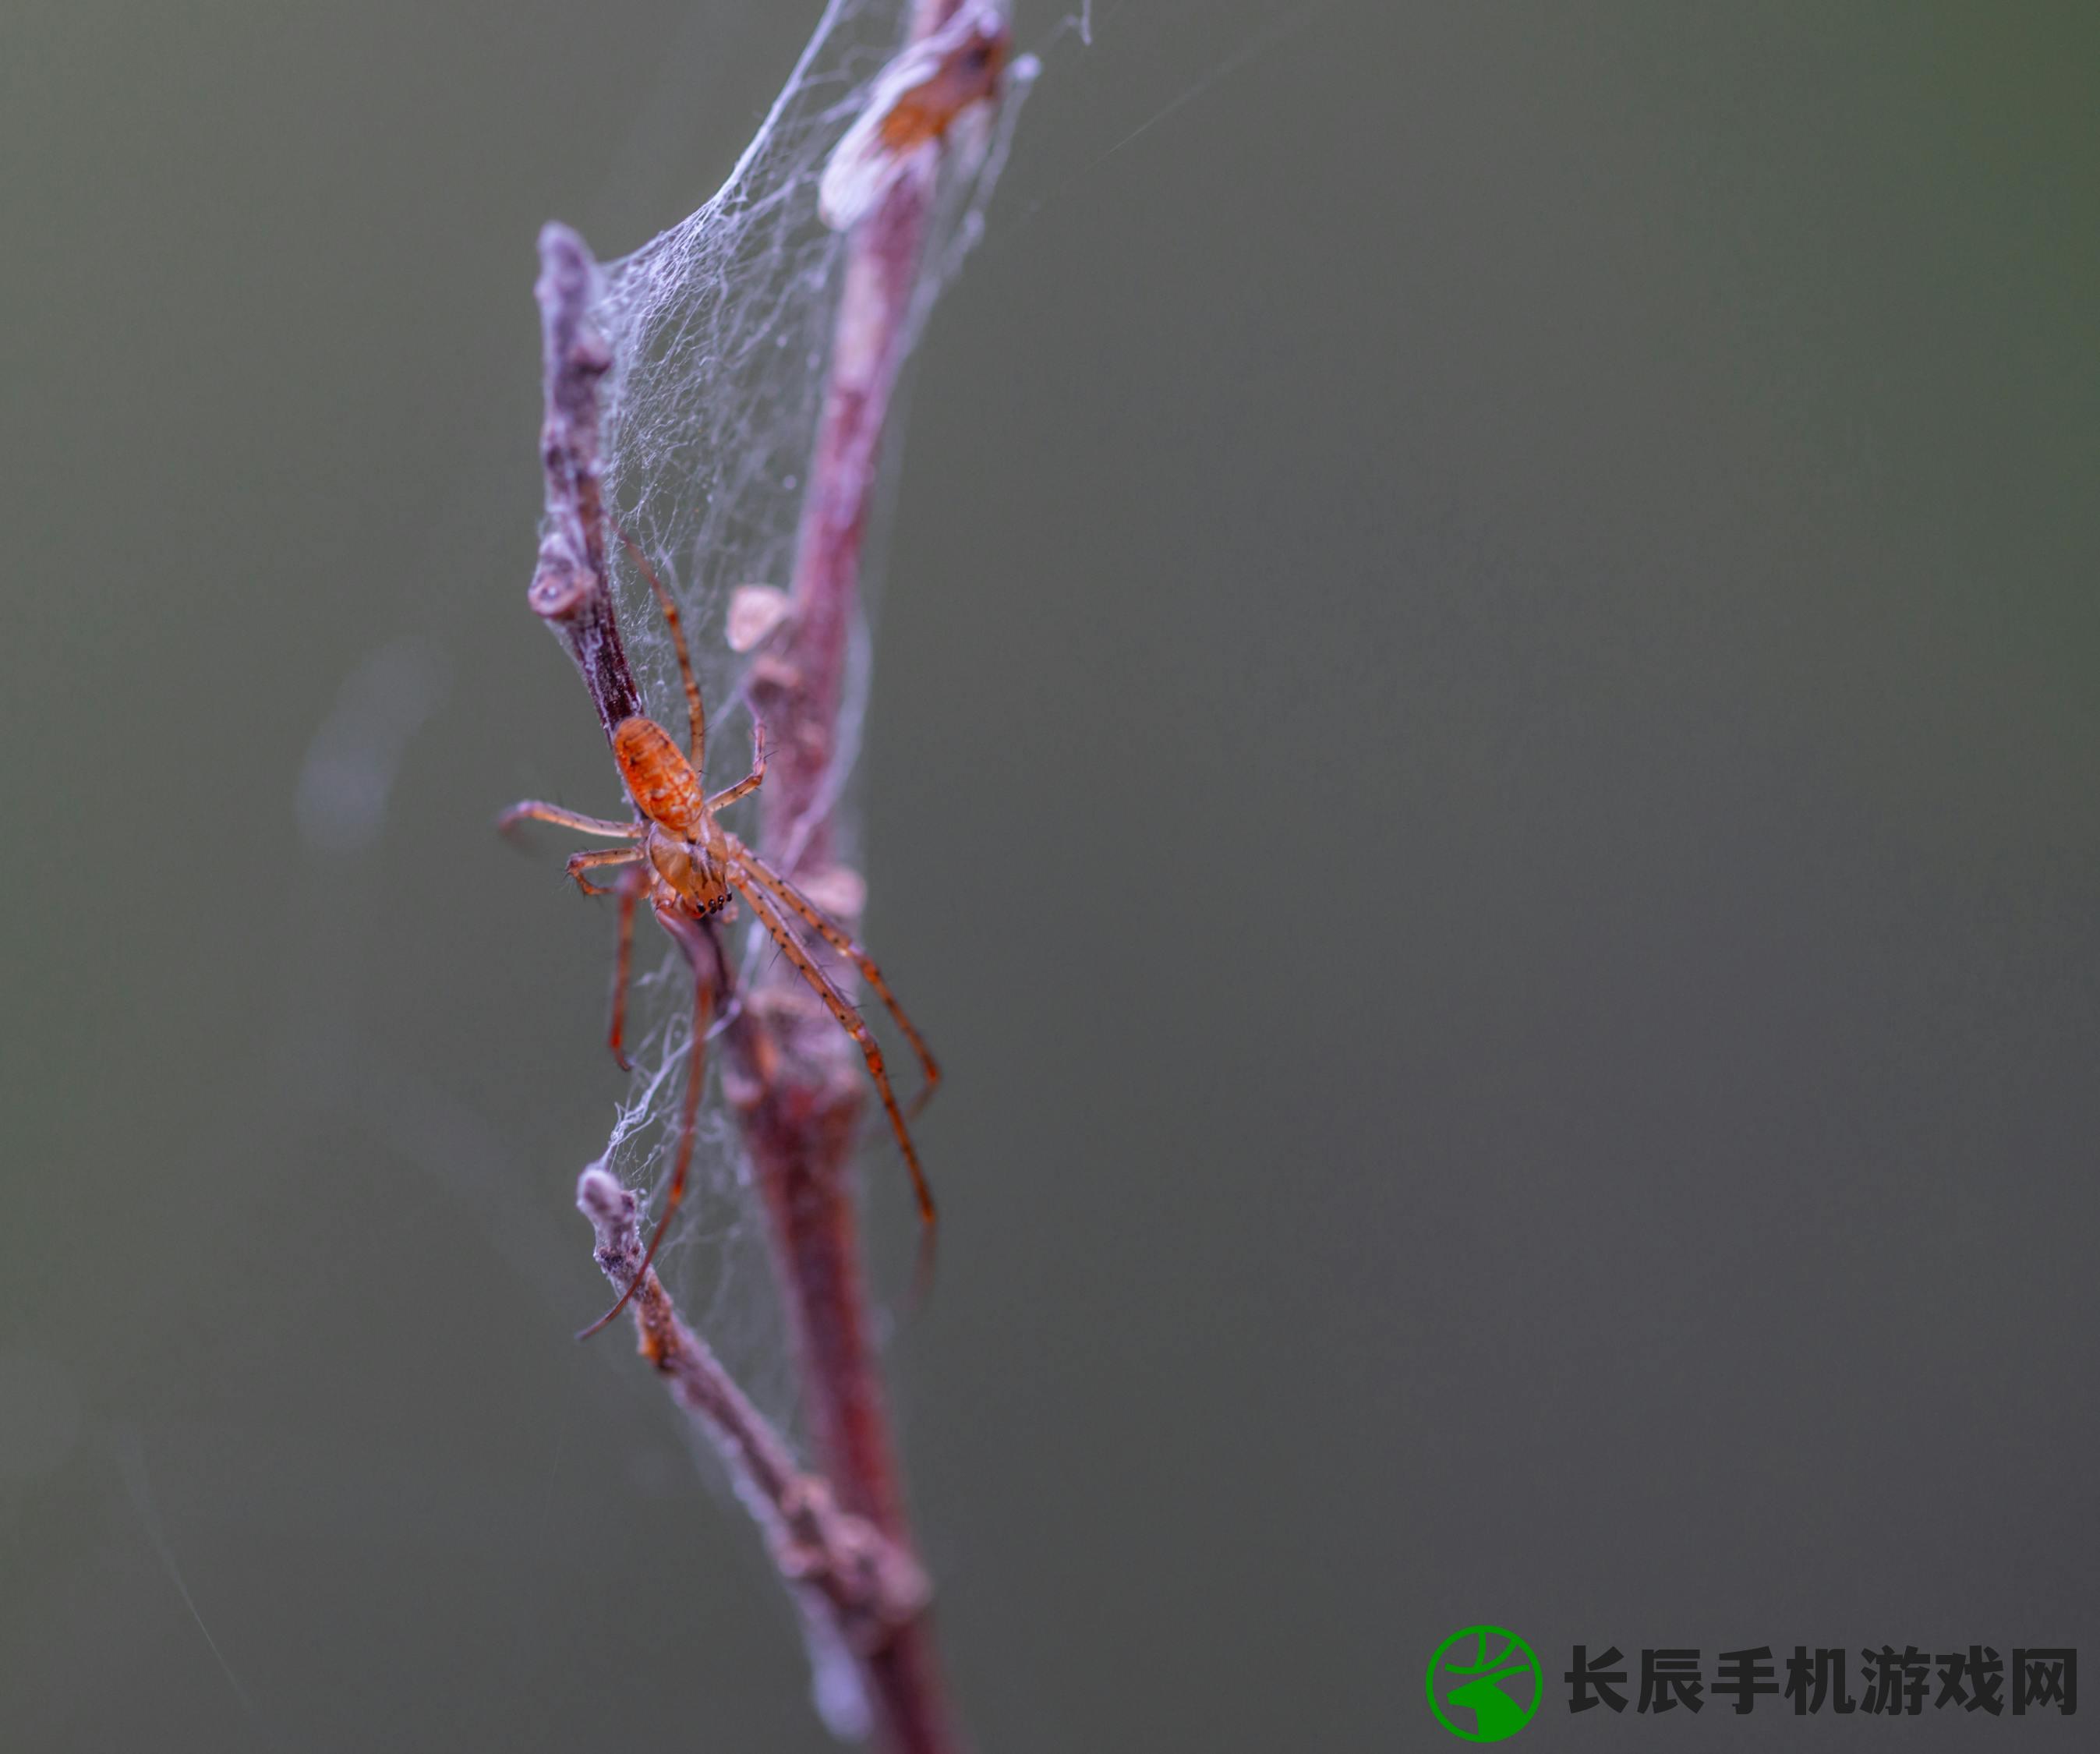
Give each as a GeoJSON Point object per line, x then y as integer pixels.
{"type": "Point", "coordinates": [659, 778]}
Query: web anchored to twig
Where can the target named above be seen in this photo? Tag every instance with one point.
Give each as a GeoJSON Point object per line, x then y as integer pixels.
{"type": "Point", "coordinates": [868, 1584]}
{"type": "Point", "coordinates": [724, 395]}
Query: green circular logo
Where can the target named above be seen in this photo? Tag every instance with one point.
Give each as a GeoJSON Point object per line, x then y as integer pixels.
{"type": "Point", "coordinates": [1485, 1683]}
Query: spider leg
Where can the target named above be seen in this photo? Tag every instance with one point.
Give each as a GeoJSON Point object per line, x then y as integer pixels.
{"type": "Point", "coordinates": [579, 863]}
{"type": "Point", "coordinates": [797, 952]}
{"type": "Point", "coordinates": [836, 936]}
{"type": "Point", "coordinates": [689, 1111]}
{"type": "Point", "coordinates": [629, 888]}
{"type": "Point", "coordinates": [751, 781]}
{"type": "Point", "coordinates": [533, 810]}
{"type": "Point", "coordinates": [695, 713]}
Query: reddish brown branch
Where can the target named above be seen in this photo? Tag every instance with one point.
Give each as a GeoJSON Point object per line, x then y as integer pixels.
{"type": "Point", "coordinates": [802, 1103]}
{"type": "Point", "coordinates": [870, 338]}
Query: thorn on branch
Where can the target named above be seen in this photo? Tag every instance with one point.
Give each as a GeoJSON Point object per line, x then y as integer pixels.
{"type": "Point", "coordinates": [756, 613]}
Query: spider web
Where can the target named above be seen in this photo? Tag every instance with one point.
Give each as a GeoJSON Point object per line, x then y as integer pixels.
{"type": "Point", "coordinates": [720, 329]}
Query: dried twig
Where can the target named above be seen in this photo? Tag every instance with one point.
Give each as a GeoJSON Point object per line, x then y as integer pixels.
{"type": "Point", "coordinates": [852, 1581]}
{"type": "Point", "coordinates": [569, 591]}
{"type": "Point", "coordinates": [868, 1585]}
{"type": "Point", "coordinates": [794, 1079]}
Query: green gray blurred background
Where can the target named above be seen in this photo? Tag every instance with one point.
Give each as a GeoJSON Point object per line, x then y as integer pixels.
{"type": "Point", "coordinates": [1484, 760]}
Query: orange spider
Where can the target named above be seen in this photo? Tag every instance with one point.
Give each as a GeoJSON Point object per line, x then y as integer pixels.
{"type": "Point", "coordinates": [688, 865]}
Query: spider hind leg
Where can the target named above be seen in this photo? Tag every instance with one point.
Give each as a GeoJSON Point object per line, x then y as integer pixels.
{"type": "Point", "coordinates": [763, 904]}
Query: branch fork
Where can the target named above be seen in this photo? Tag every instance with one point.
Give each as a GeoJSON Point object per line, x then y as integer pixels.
{"type": "Point", "coordinates": [840, 1540]}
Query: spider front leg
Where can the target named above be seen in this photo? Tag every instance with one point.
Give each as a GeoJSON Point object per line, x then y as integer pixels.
{"type": "Point", "coordinates": [752, 781]}
{"type": "Point", "coordinates": [533, 810]}
{"type": "Point", "coordinates": [579, 863]}
{"type": "Point", "coordinates": [762, 903]}
{"type": "Point", "coordinates": [696, 714]}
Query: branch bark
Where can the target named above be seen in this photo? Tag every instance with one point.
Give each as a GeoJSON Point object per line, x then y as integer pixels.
{"type": "Point", "coordinates": [802, 1102]}
{"type": "Point", "coordinates": [868, 1585]}
{"type": "Point", "coordinates": [844, 1541]}
{"type": "Point", "coordinates": [569, 591]}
